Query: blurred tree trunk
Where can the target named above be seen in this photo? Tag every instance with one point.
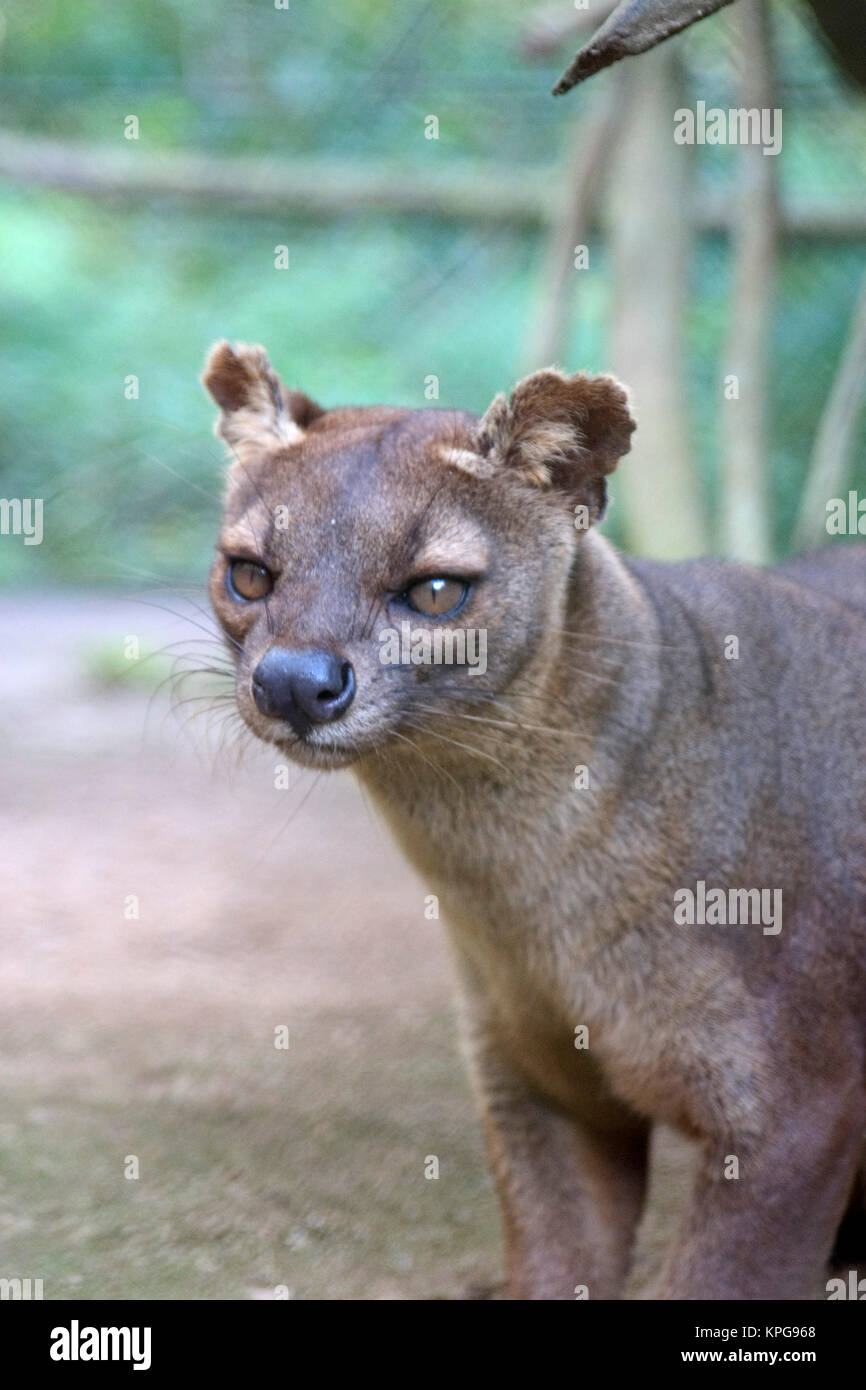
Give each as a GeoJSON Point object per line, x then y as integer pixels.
{"type": "Point", "coordinates": [650, 238]}
{"type": "Point", "coordinates": [593, 142]}
{"type": "Point", "coordinates": [744, 432]}
{"type": "Point", "coordinates": [835, 436]}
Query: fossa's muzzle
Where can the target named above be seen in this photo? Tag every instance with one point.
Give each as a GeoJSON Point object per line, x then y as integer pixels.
{"type": "Point", "coordinates": [303, 687]}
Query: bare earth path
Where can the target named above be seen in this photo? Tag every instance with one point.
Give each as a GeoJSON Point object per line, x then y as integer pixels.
{"type": "Point", "coordinates": [148, 1043]}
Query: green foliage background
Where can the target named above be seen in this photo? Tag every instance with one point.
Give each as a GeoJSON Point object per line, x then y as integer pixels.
{"type": "Point", "coordinates": [94, 290]}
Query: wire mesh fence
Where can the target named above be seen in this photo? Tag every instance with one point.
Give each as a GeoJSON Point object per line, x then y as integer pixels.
{"type": "Point", "coordinates": [104, 286]}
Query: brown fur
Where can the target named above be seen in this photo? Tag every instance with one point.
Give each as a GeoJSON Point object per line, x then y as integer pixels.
{"type": "Point", "coordinates": [560, 902]}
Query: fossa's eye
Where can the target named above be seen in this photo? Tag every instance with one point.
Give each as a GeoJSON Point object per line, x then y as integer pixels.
{"type": "Point", "coordinates": [248, 581]}
{"type": "Point", "coordinates": [437, 597]}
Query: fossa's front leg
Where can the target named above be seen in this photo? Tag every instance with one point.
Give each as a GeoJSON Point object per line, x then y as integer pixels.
{"type": "Point", "coordinates": [768, 1231]}
{"type": "Point", "coordinates": [570, 1193]}
{"type": "Point", "coordinates": [570, 1199]}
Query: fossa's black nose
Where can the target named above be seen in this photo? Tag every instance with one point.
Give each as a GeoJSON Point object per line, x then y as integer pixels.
{"type": "Point", "coordinates": [304, 687]}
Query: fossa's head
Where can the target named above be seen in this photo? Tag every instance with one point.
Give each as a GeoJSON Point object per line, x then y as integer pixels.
{"type": "Point", "coordinates": [380, 568]}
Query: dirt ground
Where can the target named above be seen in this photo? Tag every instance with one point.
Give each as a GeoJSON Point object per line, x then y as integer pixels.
{"type": "Point", "coordinates": [147, 1043]}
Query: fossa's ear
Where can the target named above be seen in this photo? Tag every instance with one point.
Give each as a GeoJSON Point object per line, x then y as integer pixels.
{"type": "Point", "coordinates": [257, 413]}
{"type": "Point", "coordinates": [560, 431]}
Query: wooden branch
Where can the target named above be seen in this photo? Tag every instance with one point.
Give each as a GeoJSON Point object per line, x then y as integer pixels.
{"type": "Point", "coordinates": [843, 25]}
{"type": "Point", "coordinates": [744, 431]}
{"type": "Point", "coordinates": [593, 141]}
{"type": "Point", "coordinates": [796, 217]}
{"type": "Point", "coordinates": [635, 27]}
{"type": "Point", "coordinates": [317, 187]}
{"type": "Point", "coordinates": [322, 188]}
{"type": "Point", "coordinates": [835, 435]}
